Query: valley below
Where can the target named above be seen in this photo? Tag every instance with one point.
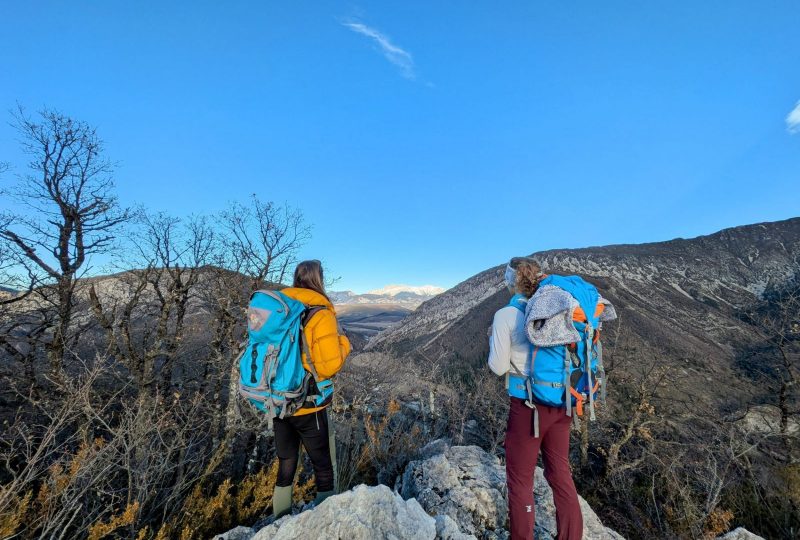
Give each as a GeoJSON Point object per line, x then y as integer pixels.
{"type": "Point", "coordinates": [368, 320]}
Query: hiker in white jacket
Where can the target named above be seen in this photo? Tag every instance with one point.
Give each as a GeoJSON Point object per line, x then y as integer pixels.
{"type": "Point", "coordinates": [531, 426]}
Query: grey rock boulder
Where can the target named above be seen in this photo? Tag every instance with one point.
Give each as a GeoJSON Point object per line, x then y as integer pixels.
{"type": "Point", "coordinates": [447, 529]}
{"type": "Point", "coordinates": [740, 534]}
{"type": "Point", "coordinates": [469, 485]}
{"type": "Point", "coordinates": [463, 482]}
{"type": "Point", "coordinates": [363, 513]}
{"type": "Point", "coordinates": [239, 533]}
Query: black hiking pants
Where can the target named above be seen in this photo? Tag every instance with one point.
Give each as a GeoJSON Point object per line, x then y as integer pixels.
{"type": "Point", "coordinates": [312, 431]}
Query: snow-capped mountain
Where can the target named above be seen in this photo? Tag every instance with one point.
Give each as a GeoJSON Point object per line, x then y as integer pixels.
{"type": "Point", "coordinates": [370, 313]}
{"type": "Point", "coordinates": [405, 295]}
{"type": "Point", "coordinates": [394, 290]}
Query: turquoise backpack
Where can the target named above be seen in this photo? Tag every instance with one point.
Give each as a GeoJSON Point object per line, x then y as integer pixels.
{"type": "Point", "coordinates": [271, 372]}
{"type": "Point", "coordinates": [571, 375]}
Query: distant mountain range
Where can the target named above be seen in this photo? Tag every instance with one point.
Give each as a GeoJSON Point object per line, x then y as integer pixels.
{"type": "Point", "coordinates": [365, 315]}
{"type": "Point", "coordinates": [394, 290]}
{"type": "Point", "coordinates": [407, 296]}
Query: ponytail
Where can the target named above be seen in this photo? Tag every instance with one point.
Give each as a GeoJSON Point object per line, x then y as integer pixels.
{"type": "Point", "coordinates": [529, 274]}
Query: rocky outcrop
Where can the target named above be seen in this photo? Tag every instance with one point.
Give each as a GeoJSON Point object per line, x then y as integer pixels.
{"type": "Point", "coordinates": [740, 534]}
{"type": "Point", "coordinates": [239, 533]}
{"type": "Point", "coordinates": [462, 487]}
{"type": "Point", "coordinates": [469, 485]}
{"type": "Point", "coordinates": [766, 420]}
{"type": "Point", "coordinates": [363, 513]}
{"type": "Point", "coordinates": [462, 482]}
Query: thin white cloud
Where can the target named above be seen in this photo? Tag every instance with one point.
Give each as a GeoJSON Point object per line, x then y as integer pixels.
{"type": "Point", "coordinates": [793, 119]}
{"type": "Point", "coordinates": [394, 54]}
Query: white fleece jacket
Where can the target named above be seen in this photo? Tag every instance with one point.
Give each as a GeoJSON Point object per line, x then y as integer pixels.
{"type": "Point", "coordinates": [509, 348]}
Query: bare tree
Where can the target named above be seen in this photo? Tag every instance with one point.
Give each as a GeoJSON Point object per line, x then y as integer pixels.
{"type": "Point", "coordinates": [263, 239]}
{"type": "Point", "coordinates": [72, 212]}
{"type": "Point", "coordinates": [147, 327]}
{"type": "Point", "coordinates": [777, 321]}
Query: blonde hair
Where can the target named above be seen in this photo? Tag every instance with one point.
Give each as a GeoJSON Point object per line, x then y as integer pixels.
{"type": "Point", "coordinates": [529, 274]}
{"type": "Point", "coordinates": [309, 275]}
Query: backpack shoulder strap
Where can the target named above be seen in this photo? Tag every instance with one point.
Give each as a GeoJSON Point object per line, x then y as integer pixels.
{"type": "Point", "coordinates": [518, 301]}
{"type": "Point", "coordinates": [307, 315]}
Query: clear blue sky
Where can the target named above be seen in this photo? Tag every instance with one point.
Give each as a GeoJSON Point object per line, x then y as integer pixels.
{"type": "Point", "coordinates": [427, 141]}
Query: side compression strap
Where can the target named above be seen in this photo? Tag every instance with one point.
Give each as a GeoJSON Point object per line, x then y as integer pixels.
{"type": "Point", "coordinates": [272, 354]}
{"type": "Point", "coordinates": [530, 403]}
{"type": "Point", "coordinates": [589, 334]}
{"type": "Point", "coordinates": [568, 396]}
{"type": "Point", "coordinates": [529, 389]}
{"type": "Point", "coordinates": [602, 370]}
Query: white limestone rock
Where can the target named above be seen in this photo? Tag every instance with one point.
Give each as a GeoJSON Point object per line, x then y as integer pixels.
{"type": "Point", "coordinates": [740, 534]}
{"type": "Point", "coordinates": [363, 513]}
{"type": "Point", "coordinates": [469, 485]}
{"type": "Point", "coordinates": [239, 533]}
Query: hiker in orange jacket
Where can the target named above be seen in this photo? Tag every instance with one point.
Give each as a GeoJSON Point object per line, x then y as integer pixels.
{"type": "Point", "coordinates": [310, 426]}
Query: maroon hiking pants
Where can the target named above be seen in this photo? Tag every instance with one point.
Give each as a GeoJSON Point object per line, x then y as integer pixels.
{"type": "Point", "coordinates": [522, 451]}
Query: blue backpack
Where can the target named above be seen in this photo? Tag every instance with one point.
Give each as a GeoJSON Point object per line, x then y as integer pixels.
{"type": "Point", "coordinates": [569, 375]}
{"type": "Point", "coordinates": [271, 372]}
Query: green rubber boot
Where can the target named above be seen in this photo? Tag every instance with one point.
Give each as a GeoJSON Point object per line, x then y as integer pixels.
{"type": "Point", "coordinates": [281, 501]}
{"type": "Point", "coordinates": [321, 496]}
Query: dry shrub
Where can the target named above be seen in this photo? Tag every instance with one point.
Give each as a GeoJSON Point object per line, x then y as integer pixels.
{"type": "Point", "coordinates": [718, 522]}
{"type": "Point", "coordinates": [125, 518]}
{"type": "Point", "coordinates": [233, 503]}
{"type": "Point", "coordinates": [49, 488]}
{"type": "Point", "coordinates": [201, 513]}
{"type": "Point", "coordinates": [254, 493]}
{"type": "Point", "coordinates": [304, 492]}
{"type": "Point", "coordinates": [90, 464]}
{"type": "Point", "coordinates": [477, 408]}
{"type": "Point", "coordinates": [384, 410]}
{"type": "Point", "coordinates": [791, 476]}
{"type": "Point", "coordinates": [391, 442]}
{"type": "Point", "coordinates": [16, 515]}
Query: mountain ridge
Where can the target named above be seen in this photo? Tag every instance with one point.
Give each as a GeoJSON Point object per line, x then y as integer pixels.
{"type": "Point", "coordinates": [685, 297]}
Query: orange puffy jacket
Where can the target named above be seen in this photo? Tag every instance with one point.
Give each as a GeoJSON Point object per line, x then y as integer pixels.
{"type": "Point", "coordinates": [328, 348]}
